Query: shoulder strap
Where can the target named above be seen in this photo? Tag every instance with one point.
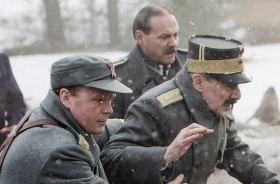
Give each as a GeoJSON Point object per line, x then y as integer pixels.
{"type": "Point", "coordinates": [120, 61]}
{"type": "Point", "coordinates": [19, 129]}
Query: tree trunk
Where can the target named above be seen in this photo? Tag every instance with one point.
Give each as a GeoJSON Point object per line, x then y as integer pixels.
{"type": "Point", "coordinates": [55, 31]}
{"type": "Point", "coordinates": [113, 19]}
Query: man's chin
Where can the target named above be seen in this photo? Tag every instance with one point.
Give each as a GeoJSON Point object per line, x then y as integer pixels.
{"type": "Point", "coordinates": [99, 130]}
{"type": "Point", "coordinates": [224, 113]}
{"type": "Point", "coordinates": [169, 60]}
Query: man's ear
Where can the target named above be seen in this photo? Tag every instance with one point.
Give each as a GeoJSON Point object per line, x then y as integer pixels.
{"type": "Point", "coordinates": [139, 37]}
{"type": "Point", "coordinates": [64, 96]}
{"type": "Point", "coordinates": [197, 82]}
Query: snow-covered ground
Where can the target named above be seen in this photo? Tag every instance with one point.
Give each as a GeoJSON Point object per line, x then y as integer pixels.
{"type": "Point", "coordinates": [262, 62]}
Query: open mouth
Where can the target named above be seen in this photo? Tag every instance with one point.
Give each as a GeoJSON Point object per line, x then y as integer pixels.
{"type": "Point", "coordinates": [227, 107]}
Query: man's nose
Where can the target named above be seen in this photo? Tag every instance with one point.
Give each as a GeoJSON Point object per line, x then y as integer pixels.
{"type": "Point", "coordinates": [108, 109]}
{"type": "Point", "coordinates": [236, 93]}
{"type": "Point", "coordinates": [173, 42]}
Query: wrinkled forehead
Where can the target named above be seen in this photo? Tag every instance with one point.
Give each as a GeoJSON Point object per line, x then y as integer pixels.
{"type": "Point", "coordinates": [164, 24]}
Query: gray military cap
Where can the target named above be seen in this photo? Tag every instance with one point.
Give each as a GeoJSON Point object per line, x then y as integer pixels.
{"type": "Point", "coordinates": [84, 70]}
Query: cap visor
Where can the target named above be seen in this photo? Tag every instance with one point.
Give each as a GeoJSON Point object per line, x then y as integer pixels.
{"type": "Point", "coordinates": [237, 78]}
{"type": "Point", "coordinates": [109, 85]}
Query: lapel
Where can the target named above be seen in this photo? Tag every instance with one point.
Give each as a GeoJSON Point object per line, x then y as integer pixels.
{"type": "Point", "coordinates": [137, 66]}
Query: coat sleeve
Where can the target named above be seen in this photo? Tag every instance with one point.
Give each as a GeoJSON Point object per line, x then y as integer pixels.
{"type": "Point", "coordinates": [134, 153]}
{"type": "Point", "coordinates": [15, 105]}
{"type": "Point", "coordinates": [71, 164]}
{"type": "Point", "coordinates": [244, 164]}
{"type": "Point", "coordinates": [110, 128]}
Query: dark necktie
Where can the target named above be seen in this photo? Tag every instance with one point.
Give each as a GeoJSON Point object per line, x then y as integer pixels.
{"type": "Point", "coordinates": [164, 71]}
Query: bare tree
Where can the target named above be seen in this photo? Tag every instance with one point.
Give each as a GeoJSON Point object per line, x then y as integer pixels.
{"type": "Point", "coordinates": [113, 19]}
{"type": "Point", "coordinates": [55, 30]}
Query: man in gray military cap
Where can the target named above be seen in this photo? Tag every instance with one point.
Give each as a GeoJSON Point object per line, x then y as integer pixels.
{"type": "Point", "coordinates": [54, 143]}
{"type": "Point", "coordinates": [184, 127]}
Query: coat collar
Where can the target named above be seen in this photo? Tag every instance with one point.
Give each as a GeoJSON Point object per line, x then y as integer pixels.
{"type": "Point", "coordinates": [56, 110]}
{"type": "Point", "coordinates": [193, 99]}
{"type": "Point", "coordinates": [136, 66]}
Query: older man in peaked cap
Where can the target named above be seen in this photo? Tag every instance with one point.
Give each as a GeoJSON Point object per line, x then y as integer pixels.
{"type": "Point", "coordinates": [185, 125]}
{"type": "Point", "coordinates": [54, 144]}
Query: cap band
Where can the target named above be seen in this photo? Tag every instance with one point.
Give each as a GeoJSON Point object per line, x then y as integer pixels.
{"type": "Point", "coordinates": [226, 66]}
{"type": "Point", "coordinates": [79, 76]}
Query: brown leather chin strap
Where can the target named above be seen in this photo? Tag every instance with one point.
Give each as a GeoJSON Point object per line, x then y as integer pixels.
{"type": "Point", "coordinates": [19, 129]}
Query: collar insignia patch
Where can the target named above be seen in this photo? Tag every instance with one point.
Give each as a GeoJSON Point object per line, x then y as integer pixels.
{"type": "Point", "coordinates": [170, 97]}
{"type": "Point", "coordinates": [83, 142]}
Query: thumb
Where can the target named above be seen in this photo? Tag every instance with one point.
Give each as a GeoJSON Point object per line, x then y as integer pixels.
{"type": "Point", "coordinates": [7, 129]}
{"type": "Point", "coordinates": [4, 130]}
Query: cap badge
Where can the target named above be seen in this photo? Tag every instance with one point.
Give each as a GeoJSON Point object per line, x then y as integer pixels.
{"type": "Point", "coordinates": [111, 65]}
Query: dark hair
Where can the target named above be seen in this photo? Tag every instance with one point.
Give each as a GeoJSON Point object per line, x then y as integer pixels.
{"type": "Point", "coordinates": [142, 19]}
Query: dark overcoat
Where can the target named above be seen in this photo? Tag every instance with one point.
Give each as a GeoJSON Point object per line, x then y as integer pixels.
{"type": "Point", "coordinates": [12, 106]}
{"type": "Point", "coordinates": [50, 154]}
{"type": "Point", "coordinates": [133, 72]}
{"type": "Point", "coordinates": [135, 152]}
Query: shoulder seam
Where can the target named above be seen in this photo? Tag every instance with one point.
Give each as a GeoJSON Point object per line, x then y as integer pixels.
{"type": "Point", "coordinates": [120, 61]}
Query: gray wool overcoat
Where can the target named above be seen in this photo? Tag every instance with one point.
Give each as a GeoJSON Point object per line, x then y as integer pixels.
{"type": "Point", "coordinates": [135, 152]}
{"type": "Point", "coordinates": [50, 154]}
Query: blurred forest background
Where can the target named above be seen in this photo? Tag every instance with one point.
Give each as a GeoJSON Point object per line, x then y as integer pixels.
{"type": "Point", "coordinates": [51, 26]}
